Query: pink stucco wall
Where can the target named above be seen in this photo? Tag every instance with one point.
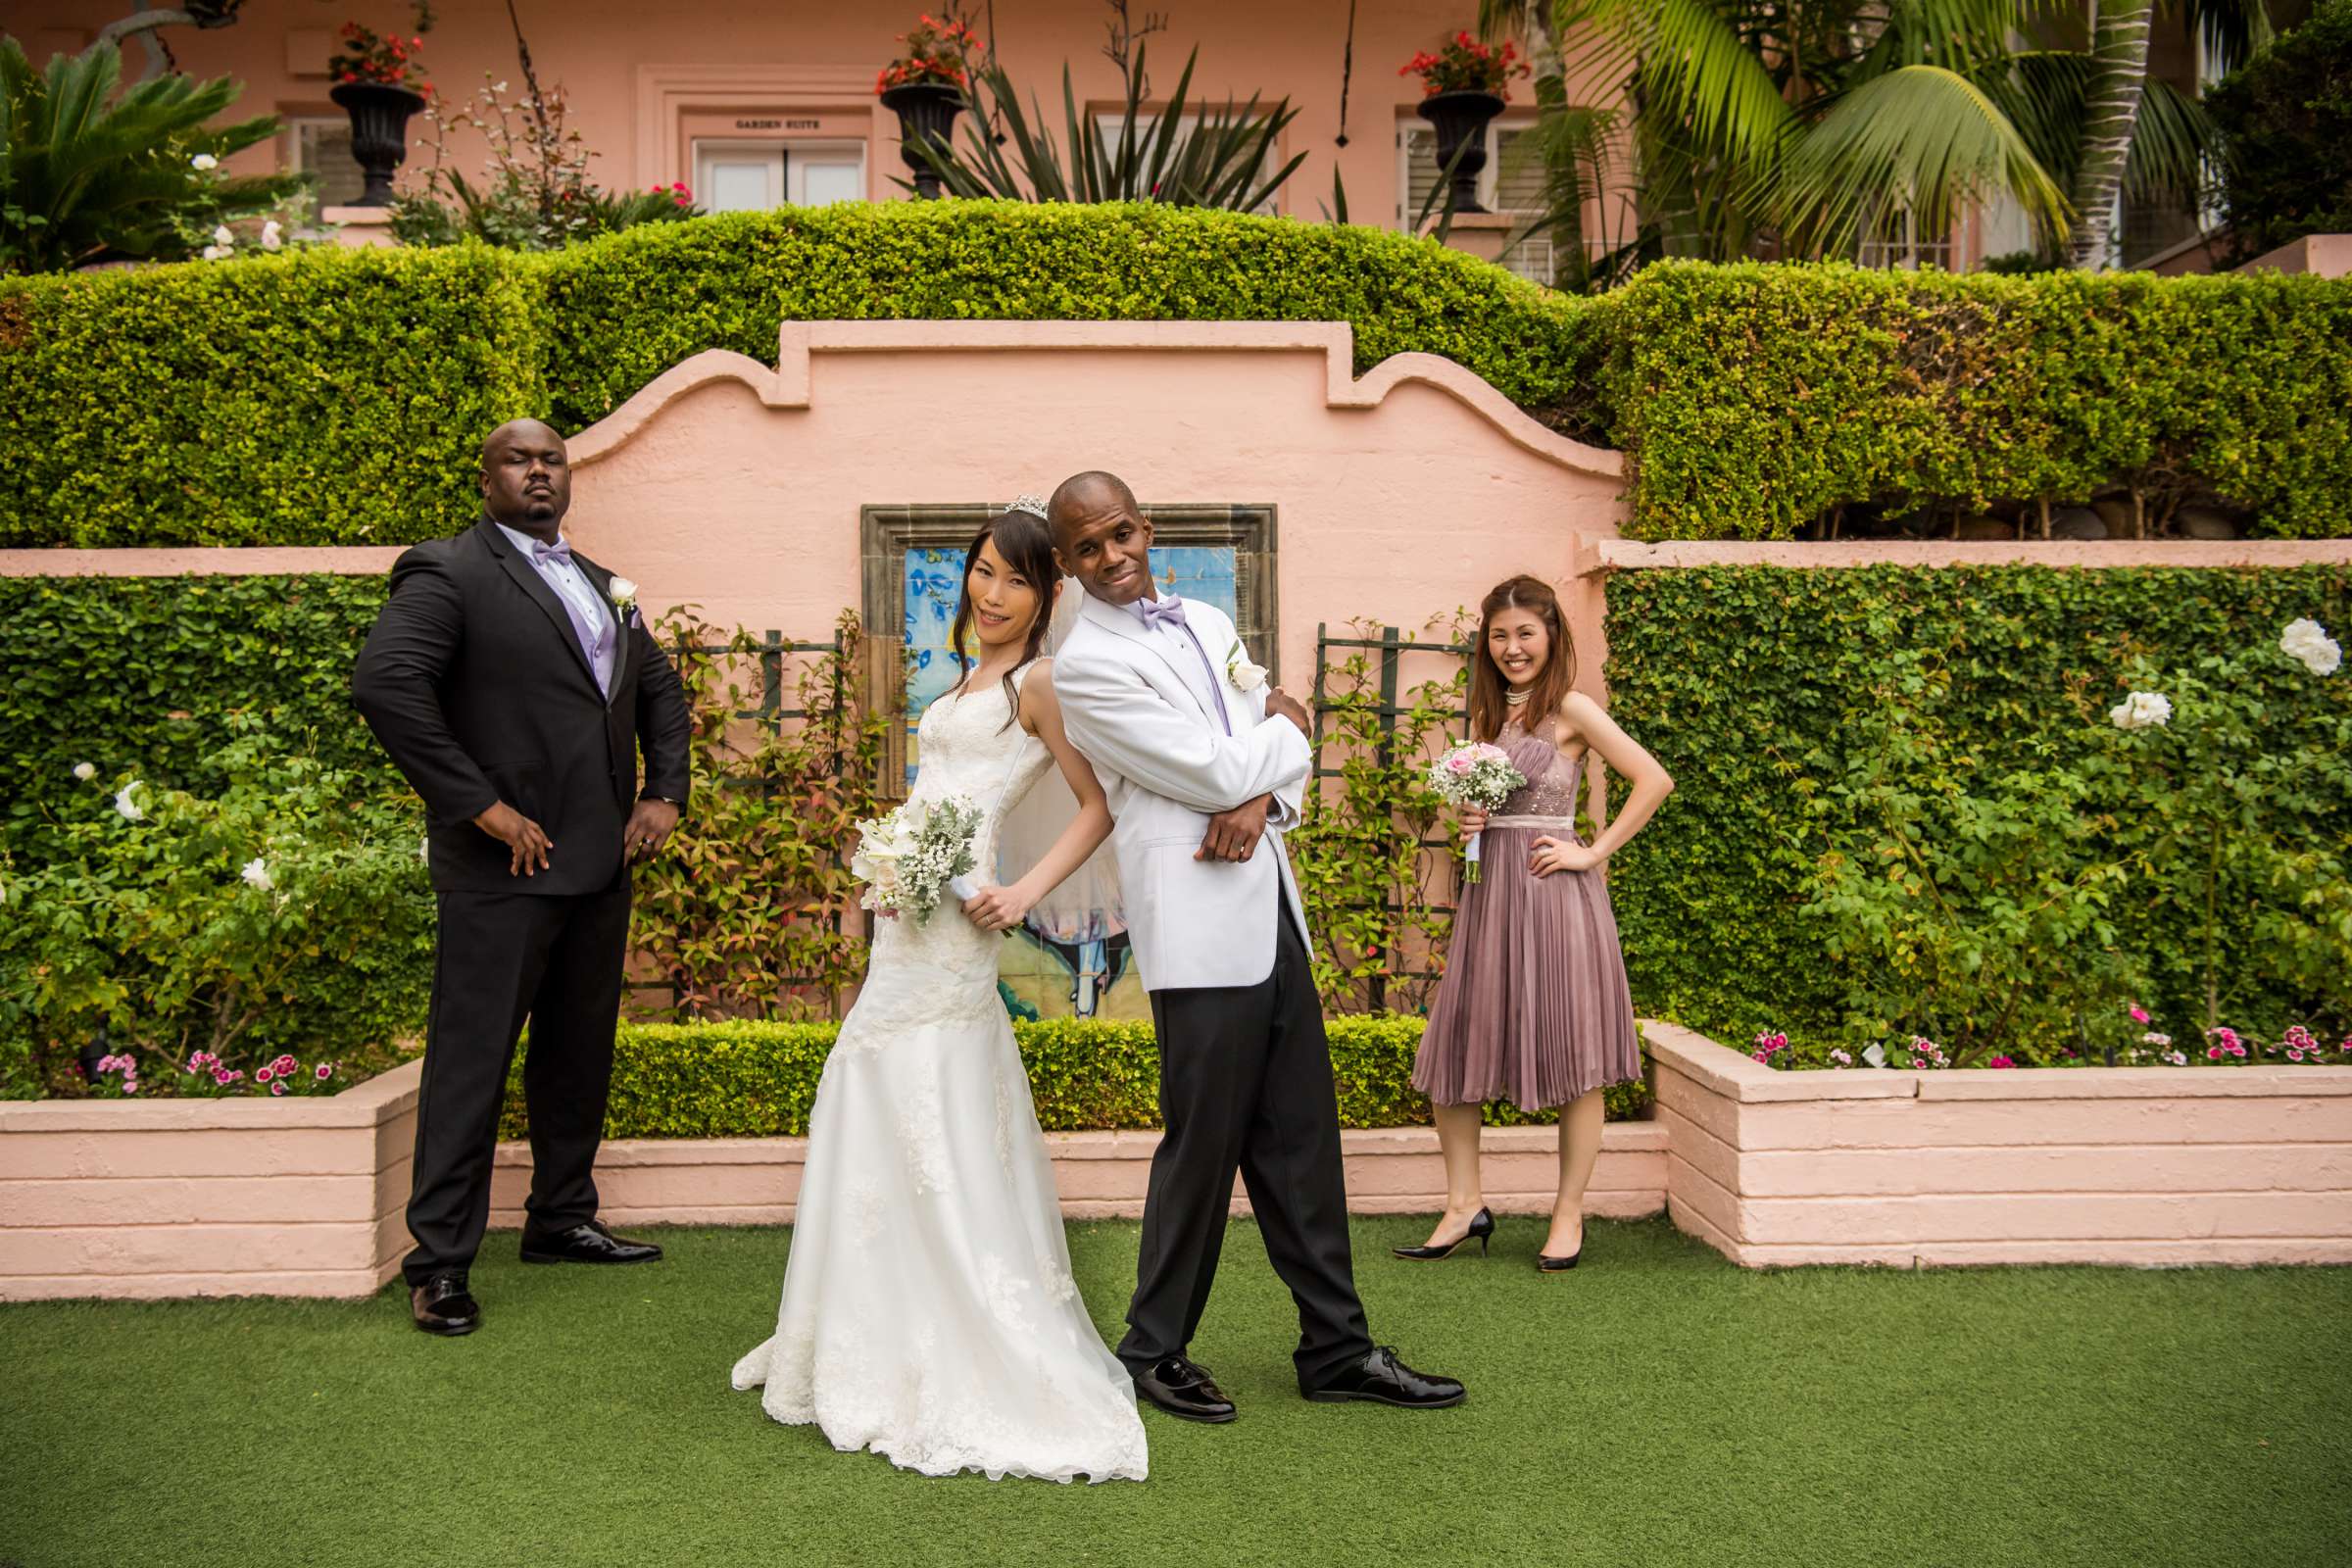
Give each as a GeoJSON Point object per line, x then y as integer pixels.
{"type": "Point", "coordinates": [640, 79]}
{"type": "Point", "coordinates": [2134, 1166]}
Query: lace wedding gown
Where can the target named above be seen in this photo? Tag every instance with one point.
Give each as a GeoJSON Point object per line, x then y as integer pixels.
{"type": "Point", "coordinates": [929, 1313]}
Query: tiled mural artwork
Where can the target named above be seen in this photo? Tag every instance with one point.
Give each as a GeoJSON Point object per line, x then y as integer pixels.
{"type": "Point", "coordinates": [1070, 958]}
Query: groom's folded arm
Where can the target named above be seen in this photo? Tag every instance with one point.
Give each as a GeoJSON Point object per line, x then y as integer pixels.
{"type": "Point", "coordinates": [1118, 719]}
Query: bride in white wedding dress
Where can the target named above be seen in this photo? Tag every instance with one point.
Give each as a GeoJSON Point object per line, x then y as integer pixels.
{"type": "Point", "coordinates": [929, 1313]}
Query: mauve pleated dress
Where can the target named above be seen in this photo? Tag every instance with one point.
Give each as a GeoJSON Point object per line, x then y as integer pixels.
{"type": "Point", "coordinates": [1534, 1008]}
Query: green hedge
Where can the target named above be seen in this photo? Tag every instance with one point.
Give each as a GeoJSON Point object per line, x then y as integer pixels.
{"type": "Point", "coordinates": [138, 674]}
{"type": "Point", "coordinates": [1746, 684]}
{"type": "Point", "coordinates": [329, 397]}
{"type": "Point", "coordinates": [337, 397]}
{"type": "Point", "coordinates": [622, 310]}
{"type": "Point", "coordinates": [1754, 398]}
{"type": "Point", "coordinates": [758, 1080]}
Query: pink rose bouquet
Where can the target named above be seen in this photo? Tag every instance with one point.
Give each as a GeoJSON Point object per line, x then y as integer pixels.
{"type": "Point", "coordinates": [1477, 775]}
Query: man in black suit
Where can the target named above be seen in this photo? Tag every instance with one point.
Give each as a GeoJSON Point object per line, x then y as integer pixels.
{"type": "Point", "coordinates": [512, 681]}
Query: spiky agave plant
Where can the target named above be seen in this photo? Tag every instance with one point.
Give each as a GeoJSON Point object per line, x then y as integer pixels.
{"type": "Point", "coordinates": [1218, 160]}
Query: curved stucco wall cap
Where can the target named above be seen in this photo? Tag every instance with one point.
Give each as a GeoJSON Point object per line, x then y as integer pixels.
{"type": "Point", "coordinates": [788, 384]}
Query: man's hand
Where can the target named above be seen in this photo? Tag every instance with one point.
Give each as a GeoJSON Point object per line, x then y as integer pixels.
{"type": "Point", "coordinates": [1233, 835]}
{"type": "Point", "coordinates": [1282, 706]}
{"type": "Point", "coordinates": [525, 842]}
{"type": "Point", "coordinates": [650, 827]}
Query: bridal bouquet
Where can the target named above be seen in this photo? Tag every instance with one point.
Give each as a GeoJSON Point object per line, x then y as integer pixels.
{"type": "Point", "coordinates": [1475, 774]}
{"type": "Point", "coordinates": [908, 856]}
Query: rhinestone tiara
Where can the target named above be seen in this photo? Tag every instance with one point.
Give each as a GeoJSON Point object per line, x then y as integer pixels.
{"type": "Point", "coordinates": [1033, 505]}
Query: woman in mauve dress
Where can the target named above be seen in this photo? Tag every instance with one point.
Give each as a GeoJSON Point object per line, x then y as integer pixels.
{"type": "Point", "coordinates": [1534, 1006]}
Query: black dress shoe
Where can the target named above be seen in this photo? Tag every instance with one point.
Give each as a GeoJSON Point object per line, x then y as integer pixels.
{"type": "Point", "coordinates": [442, 1304]}
{"type": "Point", "coordinates": [1383, 1380]}
{"type": "Point", "coordinates": [1482, 1228]}
{"type": "Point", "coordinates": [1545, 1263]}
{"type": "Point", "coordinates": [1183, 1388]}
{"type": "Point", "coordinates": [585, 1243]}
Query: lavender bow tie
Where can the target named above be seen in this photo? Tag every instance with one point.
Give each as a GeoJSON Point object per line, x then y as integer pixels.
{"type": "Point", "coordinates": [558, 552]}
{"type": "Point", "coordinates": [1168, 610]}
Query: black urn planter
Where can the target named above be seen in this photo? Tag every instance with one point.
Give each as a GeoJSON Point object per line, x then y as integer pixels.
{"type": "Point", "coordinates": [1460, 119]}
{"type": "Point", "coordinates": [926, 109]}
{"type": "Point", "coordinates": [379, 132]}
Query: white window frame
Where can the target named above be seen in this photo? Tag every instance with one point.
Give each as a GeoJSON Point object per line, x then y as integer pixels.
{"type": "Point", "coordinates": [787, 181]}
{"type": "Point", "coordinates": [1907, 254]}
{"type": "Point", "coordinates": [1533, 256]}
{"type": "Point", "coordinates": [294, 124]}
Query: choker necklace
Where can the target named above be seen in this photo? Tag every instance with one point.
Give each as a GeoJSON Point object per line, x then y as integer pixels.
{"type": "Point", "coordinates": [1517, 697]}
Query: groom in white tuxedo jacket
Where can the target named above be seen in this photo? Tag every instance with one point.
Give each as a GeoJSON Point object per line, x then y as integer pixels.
{"type": "Point", "coordinates": [1206, 769]}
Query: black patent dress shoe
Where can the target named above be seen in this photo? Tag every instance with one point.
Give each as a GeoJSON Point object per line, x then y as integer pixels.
{"type": "Point", "coordinates": [1183, 1388]}
{"type": "Point", "coordinates": [1383, 1380]}
{"type": "Point", "coordinates": [443, 1306]}
{"type": "Point", "coordinates": [585, 1243]}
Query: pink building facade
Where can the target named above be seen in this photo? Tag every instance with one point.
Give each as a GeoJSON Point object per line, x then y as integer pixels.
{"type": "Point", "coordinates": [761, 106]}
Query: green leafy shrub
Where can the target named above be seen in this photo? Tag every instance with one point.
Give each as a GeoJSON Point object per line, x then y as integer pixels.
{"type": "Point", "coordinates": [145, 676]}
{"type": "Point", "coordinates": [1757, 689]}
{"type": "Point", "coordinates": [329, 397]}
{"type": "Point", "coordinates": [758, 1080]}
{"type": "Point", "coordinates": [287, 911]}
{"type": "Point", "coordinates": [2286, 122]}
{"type": "Point", "coordinates": [338, 397]}
{"type": "Point", "coordinates": [89, 176]}
{"type": "Point", "coordinates": [1756, 398]}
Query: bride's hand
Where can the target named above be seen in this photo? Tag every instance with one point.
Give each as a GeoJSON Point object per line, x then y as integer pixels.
{"type": "Point", "coordinates": [997, 909]}
{"type": "Point", "coordinates": [1474, 821]}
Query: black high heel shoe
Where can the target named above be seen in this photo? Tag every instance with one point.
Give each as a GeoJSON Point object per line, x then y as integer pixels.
{"type": "Point", "coordinates": [1545, 1263]}
{"type": "Point", "coordinates": [1482, 1226]}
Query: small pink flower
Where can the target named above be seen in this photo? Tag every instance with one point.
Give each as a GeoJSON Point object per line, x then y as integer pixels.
{"type": "Point", "coordinates": [325, 1070]}
{"type": "Point", "coordinates": [2139, 1015]}
{"type": "Point", "coordinates": [2294, 1052]}
{"type": "Point", "coordinates": [279, 1088]}
{"type": "Point", "coordinates": [1761, 1055]}
{"type": "Point", "coordinates": [1919, 1061]}
{"type": "Point", "coordinates": [1457, 764]}
{"type": "Point", "coordinates": [262, 1075]}
{"type": "Point", "coordinates": [2000, 1061]}
{"type": "Point", "coordinates": [131, 1086]}
{"type": "Point", "coordinates": [221, 1075]}
{"type": "Point", "coordinates": [2213, 1052]}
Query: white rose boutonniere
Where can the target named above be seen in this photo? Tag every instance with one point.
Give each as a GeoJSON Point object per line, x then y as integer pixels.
{"type": "Point", "coordinates": [624, 594]}
{"type": "Point", "coordinates": [1246, 676]}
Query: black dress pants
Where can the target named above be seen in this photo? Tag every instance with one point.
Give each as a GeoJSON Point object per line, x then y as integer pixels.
{"type": "Point", "coordinates": [502, 958]}
{"type": "Point", "coordinates": [1245, 1081]}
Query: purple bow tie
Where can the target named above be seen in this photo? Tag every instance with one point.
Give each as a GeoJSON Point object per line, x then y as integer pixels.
{"type": "Point", "coordinates": [558, 551]}
{"type": "Point", "coordinates": [1167, 610]}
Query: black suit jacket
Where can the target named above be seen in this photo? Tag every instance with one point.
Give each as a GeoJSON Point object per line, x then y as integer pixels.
{"type": "Point", "coordinates": [474, 682]}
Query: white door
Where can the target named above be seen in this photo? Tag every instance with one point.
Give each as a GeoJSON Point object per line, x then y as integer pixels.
{"type": "Point", "coordinates": [821, 173]}
{"type": "Point", "coordinates": [738, 177]}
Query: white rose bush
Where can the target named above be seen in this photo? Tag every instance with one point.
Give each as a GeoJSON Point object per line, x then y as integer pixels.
{"type": "Point", "coordinates": [282, 923]}
{"type": "Point", "coordinates": [1984, 908]}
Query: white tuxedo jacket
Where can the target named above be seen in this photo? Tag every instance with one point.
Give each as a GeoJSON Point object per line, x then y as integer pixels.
{"type": "Point", "coordinates": [1139, 707]}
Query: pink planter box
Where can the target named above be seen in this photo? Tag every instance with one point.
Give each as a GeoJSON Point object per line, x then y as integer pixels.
{"type": "Point", "coordinates": [152, 1199]}
{"type": "Point", "coordinates": [2143, 1165]}
{"type": "Point", "coordinates": [162, 1197]}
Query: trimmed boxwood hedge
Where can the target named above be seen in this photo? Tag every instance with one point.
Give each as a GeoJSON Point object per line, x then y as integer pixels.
{"type": "Point", "coordinates": [1756, 397]}
{"type": "Point", "coordinates": [336, 397]}
{"type": "Point", "coordinates": [758, 1080]}
{"type": "Point", "coordinates": [1745, 682]}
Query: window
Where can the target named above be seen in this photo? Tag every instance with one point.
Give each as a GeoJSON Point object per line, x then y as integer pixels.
{"type": "Point", "coordinates": [1112, 127]}
{"type": "Point", "coordinates": [320, 145]}
{"type": "Point", "coordinates": [738, 177]}
{"type": "Point", "coordinates": [1512, 191]}
{"type": "Point", "coordinates": [1894, 239]}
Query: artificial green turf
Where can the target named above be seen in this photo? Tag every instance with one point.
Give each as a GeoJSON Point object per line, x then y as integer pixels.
{"type": "Point", "coordinates": [1657, 1405]}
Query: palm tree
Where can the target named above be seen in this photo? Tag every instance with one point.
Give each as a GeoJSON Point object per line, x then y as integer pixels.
{"type": "Point", "coordinates": [1801, 127]}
